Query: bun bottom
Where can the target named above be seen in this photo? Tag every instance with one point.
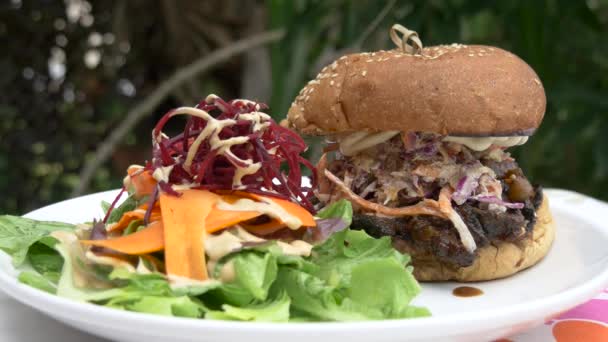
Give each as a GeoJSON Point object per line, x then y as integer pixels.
{"type": "Point", "coordinates": [494, 261]}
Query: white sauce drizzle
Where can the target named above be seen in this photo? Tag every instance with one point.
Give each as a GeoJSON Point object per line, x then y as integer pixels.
{"type": "Point", "coordinates": [178, 282]}
{"type": "Point", "coordinates": [211, 131]}
{"type": "Point", "coordinates": [162, 173]}
{"type": "Point", "coordinates": [232, 239]}
{"type": "Point", "coordinates": [266, 206]}
{"type": "Point", "coordinates": [243, 101]}
{"type": "Point", "coordinates": [110, 261]}
{"type": "Point", "coordinates": [358, 141]}
{"type": "Point", "coordinates": [483, 143]}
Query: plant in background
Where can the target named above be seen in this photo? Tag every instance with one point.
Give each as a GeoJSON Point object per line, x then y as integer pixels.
{"type": "Point", "coordinates": [564, 41]}
{"type": "Point", "coordinates": [71, 70]}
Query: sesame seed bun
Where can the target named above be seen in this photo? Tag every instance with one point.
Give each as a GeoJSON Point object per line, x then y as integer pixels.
{"type": "Point", "coordinates": [495, 261]}
{"type": "Point", "coordinates": [453, 89]}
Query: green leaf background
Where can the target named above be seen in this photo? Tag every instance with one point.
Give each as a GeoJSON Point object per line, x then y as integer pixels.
{"type": "Point", "coordinates": [49, 126]}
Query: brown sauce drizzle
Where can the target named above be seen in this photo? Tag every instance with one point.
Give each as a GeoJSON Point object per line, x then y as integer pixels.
{"type": "Point", "coordinates": [466, 291]}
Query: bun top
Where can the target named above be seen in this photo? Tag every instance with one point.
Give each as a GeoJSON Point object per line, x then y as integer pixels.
{"type": "Point", "coordinates": [456, 90]}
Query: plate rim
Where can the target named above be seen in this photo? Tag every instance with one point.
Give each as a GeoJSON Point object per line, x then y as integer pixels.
{"type": "Point", "coordinates": [455, 323]}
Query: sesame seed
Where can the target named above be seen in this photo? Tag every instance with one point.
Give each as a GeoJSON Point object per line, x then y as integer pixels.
{"type": "Point", "coordinates": [480, 54]}
{"type": "Point", "coordinates": [369, 60]}
{"type": "Point", "coordinates": [334, 75]}
{"type": "Point", "coordinates": [373, 54]}
{"type": "Point", "coordinates": [364, 73]}
{"type": "Point", "coordinates": [331, 83]}
{"type": "Point", "coordinates": [334, 65]}
{"type": "Point", "coordinates": [471, 55]}
{"type": "Point", "coordinates": [342, 58]}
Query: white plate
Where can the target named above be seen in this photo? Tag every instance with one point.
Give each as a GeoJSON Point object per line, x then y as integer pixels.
{"type": "Point", "coordinates": [575, 270]}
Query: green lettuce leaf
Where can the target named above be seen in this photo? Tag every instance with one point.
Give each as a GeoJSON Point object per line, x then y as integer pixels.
{"type": "Point", "coordinates": [183, 306]}
{"type": "Point", "coordinates": [45, 260]}
{"type": "Point", "coordinates": [349, 277]}
{"type": "Point", "coordinates": [129, 204]}
{"type": "Point", "coordinates": [17, 234]}
{"type": "Point", "coordinates": [274, 310]}
{"type": "Point", "coordinates": [105, 206]}
{"type": "Point", "coordinates": [36, 280]}
{"type": "Point", "coordinates": [133, 227]}
{"type": "Point", "coordinates": [341, 209]}
{"type": "Point", "coordinates": [255, 272]}
{"type": "Point", "coordinates": [345, 287]}
{"type": "Point", "coordinates": [311, 297]}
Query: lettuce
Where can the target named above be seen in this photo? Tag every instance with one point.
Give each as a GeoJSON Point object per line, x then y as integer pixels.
{"type": "Point", "coordinates": [340, 210]}
{"type": "Point", "coordinates": [37, 281]}
{"type": "Point", "coordinates": [128, 204]}
{"type": "Point", "coordinates": [345, 287]}
{"type": "Point", "coordinates": [273, 310]}
{"type": "Point", "coordinates": [17, 234]}
{"type": "Point", "coordinates": [338, 282]}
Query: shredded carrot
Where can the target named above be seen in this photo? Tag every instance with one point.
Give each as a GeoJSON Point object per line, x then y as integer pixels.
{"type": "Point", "coordinates": [148, 240]}
{"type": "Point", "coordinates": [292, 208]}
{"type": "Point", "coordinates": [219, 219]}
{"type": "Point", "coordinates": [137, 214]}
{"type": "Point", "coordinates": [264, 228]}
{"type": "Point", "coordinates": [142, 180]}
{"type": "Point", "coordinates": [184, 218]}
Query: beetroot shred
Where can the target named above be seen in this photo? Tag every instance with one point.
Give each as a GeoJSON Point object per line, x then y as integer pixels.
{"type": "Point", "coordinates": [231, 146]}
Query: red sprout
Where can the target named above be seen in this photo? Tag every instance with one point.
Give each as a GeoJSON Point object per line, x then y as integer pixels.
{"type": "Point", "coordinates": [151, 201]}
{"type": "Point", "coordinates": [113, 205]}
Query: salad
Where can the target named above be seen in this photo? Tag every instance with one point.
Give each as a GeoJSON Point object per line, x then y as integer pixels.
{"type": "Point", "coordinates": [219, 225]}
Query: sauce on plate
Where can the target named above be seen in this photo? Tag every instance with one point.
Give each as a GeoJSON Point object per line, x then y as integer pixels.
{"type": "Point", "coordinates": [466, 291]}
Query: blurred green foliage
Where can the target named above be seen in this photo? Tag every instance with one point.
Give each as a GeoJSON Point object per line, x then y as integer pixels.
{"type": "Point", "coordinates": [566, 42]}
{"type": "Point", "coordinates": [69, 73]}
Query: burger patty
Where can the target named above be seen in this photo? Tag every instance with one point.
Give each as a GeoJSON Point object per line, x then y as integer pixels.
{"type": "Point", "coordinates": [437, 237]}
{"type": "Point", "coordinates": [415, 167]}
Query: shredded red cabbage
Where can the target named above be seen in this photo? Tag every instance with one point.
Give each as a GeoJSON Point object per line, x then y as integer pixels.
{"type": "Point", "coordinates": [464, 189]}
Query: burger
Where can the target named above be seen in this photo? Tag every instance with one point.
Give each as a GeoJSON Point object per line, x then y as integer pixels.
{"type": "Point", "coordinates": [418, 139]}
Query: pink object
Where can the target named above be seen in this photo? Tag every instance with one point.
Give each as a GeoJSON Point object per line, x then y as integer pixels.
{"type": "Point", "coordinates": [595, 309]}
{"type": "Point", "coordinates": [586, 322]}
